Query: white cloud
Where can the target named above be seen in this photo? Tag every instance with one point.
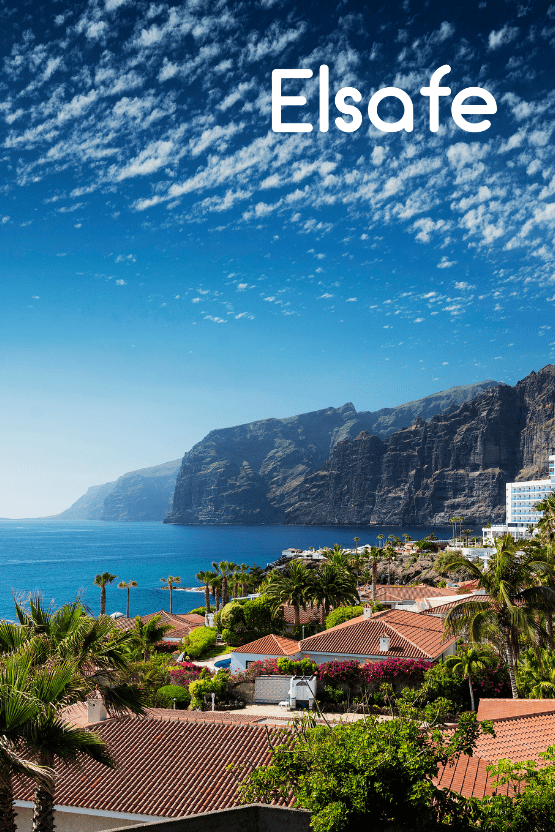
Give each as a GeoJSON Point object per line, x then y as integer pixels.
{"type": "Point", "coordinates": [502, 36]}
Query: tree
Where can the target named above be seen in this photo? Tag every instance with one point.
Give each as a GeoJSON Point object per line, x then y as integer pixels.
{"type": "Point", "coordinates": [511, 599]}
{"type": "Point", "coordinates": [206, 578]}
{"type": "Point", "coordinates": [389, 555]}
{"type": "Point", "coordinates": [380, 538]}
{"type": "Point", "coordinates": [536, 674]}
{"type": "Point", "coordinates": [102, 581]}
{"type": "Point", "coordinates": [368, 772]}
{"type": "Point", "coordinates": [546, 524]}
{"type": "Point", "coordinates": [342, 614]}
{"type": "Point", "coordinates": [468, 660]}
{"type": "Point", "coordinates": [333, 586]}
{"type": "Point", "coordinates": [467, 533]}
{"type": "Point", "coordinates": [292, 585]}
{"type": "Point", "coordinates": [375, 555]}
{"type": "Point", "coordinates": [127, 585]}
{"type": "Point", "coordinates": [216, 586]}
{"type": "Point", "coordinates": [356, 539]}
{"type": "Point", "coordinates": [171, 581]}
{"type": "Point", "coordinates": [147, 635]}
{"type": "Point", "coordinates": [223, 570]}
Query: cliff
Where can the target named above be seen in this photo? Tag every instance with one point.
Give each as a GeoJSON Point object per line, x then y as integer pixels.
{"type": "Point", "coordinates": [254, 473]}
{"type": "Point", "coordinates": [90, 506]}
{"type": "Point", "coordinates": [455, 464]}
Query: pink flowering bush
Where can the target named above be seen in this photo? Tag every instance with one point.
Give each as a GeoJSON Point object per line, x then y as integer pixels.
{"type": "Point", "coordinates": [184, 672]}
{"type": "Point", "coordinates": [267, 667]}
{"type": "Point", "coordinates": [337, 672]}
{"type": "Point", "coordinates": [393, 671]}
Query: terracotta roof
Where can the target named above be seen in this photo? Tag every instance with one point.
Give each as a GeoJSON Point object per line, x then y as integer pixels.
{"type": "Point", "coordinates": [468, 776]}
{"type": "Point", "coordinates": [397, 594]}
{"type": "Point", "coordinates": [270, 646]}
{"type": "Point", "coordinates": [182, 623]}
{"type": "Point", "coordinates": [518, 738]}
{"type": "Point", "coordinates": [305, 616]}
{"type": "Point", "coordinates": [78, 715]}
{"type": "Point", "coordinates": [503, 708]}
{"type": "Point", "coordinates": [411, 635]}
{"type": "Point", "coordinates": [443, 609]}
{"type": "Point", "coordinates": [164, 768]}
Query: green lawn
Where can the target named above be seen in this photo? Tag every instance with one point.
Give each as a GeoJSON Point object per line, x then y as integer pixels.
{"type": "Point", "coordinates": [216, 651]}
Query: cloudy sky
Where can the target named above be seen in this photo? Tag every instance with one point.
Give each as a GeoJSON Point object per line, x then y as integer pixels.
{"type": "Point", "coordinates": [170, 265]}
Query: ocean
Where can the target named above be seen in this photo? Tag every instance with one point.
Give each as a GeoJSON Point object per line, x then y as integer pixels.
{"type": "Point", "coordinates": [61, 559]}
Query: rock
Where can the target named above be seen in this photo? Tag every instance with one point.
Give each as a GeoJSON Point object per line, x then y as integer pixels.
{"type": "Point", "coordinates": [254, 473]}
{"type": "Point", "coordinates": [455, 464]}
{"type": "Point", "coordinates": [142, 495]}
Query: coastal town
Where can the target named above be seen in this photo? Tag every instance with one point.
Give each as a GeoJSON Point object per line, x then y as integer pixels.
{"type": "Point", "coordinates": [180, 718]}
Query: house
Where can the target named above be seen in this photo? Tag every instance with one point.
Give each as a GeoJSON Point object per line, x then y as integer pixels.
{"type": "Point", "coordinates": [181, 623]}
{"type": "Point", "coordinates": [391, 633]}
{"type": "Point", "coordinates": [167, 767]}
{"type": "Point", "coordinates": [439, 607]}
{"type": "Point", "coordinates": [399, 597]}
{"type": "Point", "coordinates": [267, 647]}
{"type": "Point", "coordinates": [312, 615]}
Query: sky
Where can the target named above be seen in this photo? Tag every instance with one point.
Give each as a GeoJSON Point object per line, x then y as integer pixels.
{"type": "Point", "coordinates": [169, 264]}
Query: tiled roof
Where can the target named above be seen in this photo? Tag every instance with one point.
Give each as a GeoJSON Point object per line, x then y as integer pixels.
{"type": "Point", "coordinates": [411, 636]}
{"type": "Point", "coordinates": [164, 768]}
{"type": "Point", "coordinates": [78, 715]}
{"type": "Point", "coordinates": [270, 646]}
{"type": "Point", "coordinates": [310, 614]}
{"type": "Point", "coordinates": [443, 609]}
{"type": "Point", "coordinates": [397, 594]}
{"type": "Point", "coordinates": [518, 738]}
{"type": "Point", "coordinates": [468, 776]}
{"type": "Point", "coordinates": [182, 623]}
{"type": "Point", "coordinates": [503, 708]}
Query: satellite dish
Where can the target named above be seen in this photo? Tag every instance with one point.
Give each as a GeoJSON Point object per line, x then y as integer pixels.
{"type": "Point", "coordinates": [115, 615]}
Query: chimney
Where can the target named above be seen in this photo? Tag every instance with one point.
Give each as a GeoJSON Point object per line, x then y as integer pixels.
{"type": "Point", "coordinates": [384, 644]}
{"type": "Point", "coordinates": [96, 711]}
{"type": "Point", "coordinates": [368, 612]}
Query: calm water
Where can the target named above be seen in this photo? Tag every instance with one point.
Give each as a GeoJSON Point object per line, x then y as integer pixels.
{"type": "Point", "coordinates": [60, 559]}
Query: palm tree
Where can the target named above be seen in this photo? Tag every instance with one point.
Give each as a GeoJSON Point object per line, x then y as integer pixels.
{"type": "Point", "coordinates": [244, 578]}
{"type": "Point", "coordinates": [102, 581]}
{"type": "Point", "coordinates": [148, 635]}
{"type": "Point", "coordinates": [292, 585]}
{"type": "Point", "coordinates": [467, 533]}
{"type": "Point", "coordinates": [546, 524]}
{"type": "Point", "coordinates": [389, 555]}
{"type": "Point", "coordinates": [468, 660]}
{"type": "Point", "coordinates": [206, 578]}
{"type": "Point", "coordinates": [511, 600]}
{"type": "Point", "coordinates": [380, 538]}
{"type": "Point", "coordinates": [18, 708]}
{"type": "Point", "coordinates": [171, 581]}
{"type": "Point", "coordinates": [337, 555]}
{"type": "Point", "coordinates": [375, 555]}
{"type": "Point", "coordinates": [333, 586]}
{"type": "Point", "coordinates": [216, 585]}
{"type": "Point", "coordinates": [536, 674]}
{"type": "Point", "coordinates": [127, 586]}
{"type": "Point", "coordinates": [223, 570]}
{"type": "Point", "coordinates": [356, 539]}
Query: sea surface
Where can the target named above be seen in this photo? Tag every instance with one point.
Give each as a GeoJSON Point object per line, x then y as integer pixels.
{"type": "Point", "coordinates": [61, 559]}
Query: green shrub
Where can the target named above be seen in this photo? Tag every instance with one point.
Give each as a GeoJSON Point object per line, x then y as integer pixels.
{"type": "Point", "coordinates": [206, 684]}
{"type": "Point", "coordinates": [342, 614]}
{"type": "Point", "coordinates": [170, 692]}
{"type": "Point", "coordinates": [198, 611]}
{"type": "Point", "coordinates": [199, 641]}
{"type": "Point", "coordinates": [301, 667]}
{"type": "Point", "coordinates": [233, 639]}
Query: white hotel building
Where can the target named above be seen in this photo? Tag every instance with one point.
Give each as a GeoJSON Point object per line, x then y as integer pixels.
{"type": "Point", "coordinates": [521, 500]}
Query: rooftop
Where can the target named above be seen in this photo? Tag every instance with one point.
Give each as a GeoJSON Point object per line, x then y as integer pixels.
{"type": "Point", "coordinates": [271, 645]}
{"type": "Point", "coordinates": [181, 623]}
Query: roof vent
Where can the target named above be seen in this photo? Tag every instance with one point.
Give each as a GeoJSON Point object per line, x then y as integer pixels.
{"type": "Point", "coordinates": [368, 612]}
{"type": "Point", "coordinates": [96, 710]}
{"type": "Point", "coordinates": [384, 644]}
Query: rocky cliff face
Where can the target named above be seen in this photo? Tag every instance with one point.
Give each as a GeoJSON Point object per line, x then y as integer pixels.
{"type": "Point", "coordinates": [90, 506]}
{"type": "Point", "coordinates": [456, 464]}
{"type": "Point", "coordinates": [254, 473]}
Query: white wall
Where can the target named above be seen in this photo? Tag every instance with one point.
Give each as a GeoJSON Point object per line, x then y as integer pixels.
{"type": "Point", "coordinates": [73, 822]}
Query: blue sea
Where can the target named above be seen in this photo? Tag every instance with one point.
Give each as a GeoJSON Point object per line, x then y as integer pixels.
{"type": "Point", "coordinates": [61, 559]}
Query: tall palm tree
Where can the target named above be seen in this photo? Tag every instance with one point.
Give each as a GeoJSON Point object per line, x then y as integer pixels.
{"type": "Point", "coordinates": [206, 578]}
{"type": "Point", "coordinates": [374, 554]}
{"type": "Point", "coordinates": [171, 581]}
{"type": "Point", "coordinates": [467, 533]}
{"type": "Point", "coordinates": [468, 660]}
{"type": "Point", "coordinates": [216, 586]}
{"type": "Point", "coordinates": [292, 585]}
{"type": "Point", "coordinates": [536, 674]}
{"type": "Point", "coordinates": [389, 554]}
{"type": "Point", "coordinates": [546, 524]}
{"type": "Point", "coordinates": [102, 581]}
{"type": "Point", "coordinates": [380, 538]}
{"type": "Point", "coordinates": [511, 600]}
{"type": "Point", "coordinates": [332, 586]}
{"type": "Point", "coordinates": [244, 578]}
{"type": "Point", "coordinates": [356, 539]}
{"type": "Point", "coordinates": [223, 569]}
{"type": "Point", "coordinates": [127, 585]}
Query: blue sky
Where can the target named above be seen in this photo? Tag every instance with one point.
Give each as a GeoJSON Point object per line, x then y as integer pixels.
{"type": "Point", "coordinates": [170, 265]}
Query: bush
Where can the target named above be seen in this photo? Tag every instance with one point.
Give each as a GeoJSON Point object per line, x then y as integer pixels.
{"type": "Point", "coordinates": [267, 667]}
{"type": "Point", "coordinates": [393, 671]}
{"type": "Point", "coordinates": [170, 692]}
{"type": "Point", "coordinates": [184, 672]}
{"type": "Point", "coordinates": [199, 641]}
{"type": "Point", "coordinates": [440, 684]}
{"type": "Point", "coordinates": [198, 611]}
{"type": "Point", "coordinates": [206, 684]}
{"type": "Point", "coordinates": [345, 672]}
{"type": "Point", "coordinates": [342, 614]}
{"type": "Point", "coordinates": [166, 647]}
{"type": "Point", "coordinates": [302, 667]}
{"type": "Point", "coordinates": [244, 621]}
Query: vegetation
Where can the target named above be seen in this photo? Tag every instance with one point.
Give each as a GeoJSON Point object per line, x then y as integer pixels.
{"type": "Point", "coordinates": [342, 614]}
{"type": "Point", "coordinates": [199, 641]}
{"type": "Point", "coordinates": [536, 674]}
{"type": "Point", "coordinates": [469, 660]}
{"type": "Point", "coordinates": [244, 621]}
{"type": "Point", "coordinates": [174, 696]}
{"type": "Point", "coordinates": [171, 581]}
{"type": "Point", "coordinates": [127, 585]}
{"type": "Point", "coordinates": [102, 581]}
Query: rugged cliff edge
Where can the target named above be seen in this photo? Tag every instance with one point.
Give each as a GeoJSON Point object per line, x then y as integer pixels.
{"type": "Point", "coordinates": [456, 464]}
{"type": "Point", "coordinates": [254, 473]}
